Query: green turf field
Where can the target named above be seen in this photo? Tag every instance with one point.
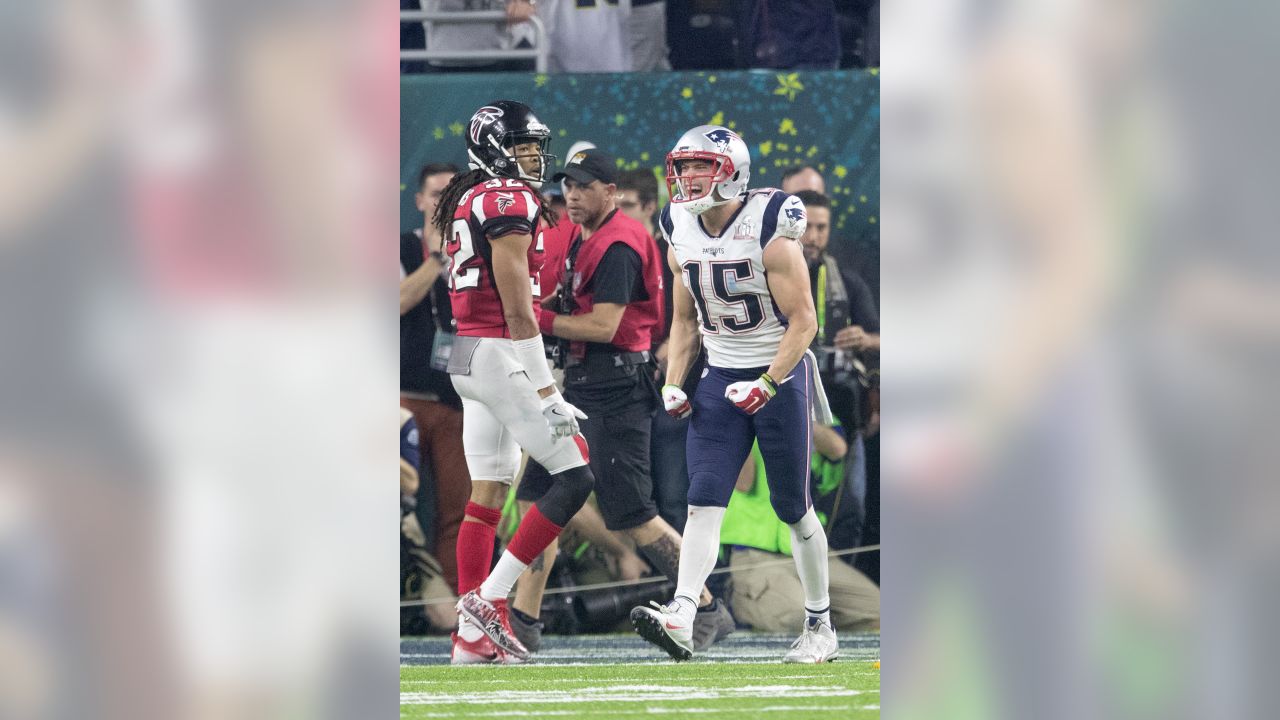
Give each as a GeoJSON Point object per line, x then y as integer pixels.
{"type": "Point", "coordinates": [737, 682]}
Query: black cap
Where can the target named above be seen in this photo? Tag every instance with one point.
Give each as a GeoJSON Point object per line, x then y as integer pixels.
{"type": "Point", "coordinates": [588, 165]}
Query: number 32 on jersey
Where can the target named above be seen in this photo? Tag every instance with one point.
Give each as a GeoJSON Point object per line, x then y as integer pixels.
{"type": "Point", "coordinates": [464, 268]}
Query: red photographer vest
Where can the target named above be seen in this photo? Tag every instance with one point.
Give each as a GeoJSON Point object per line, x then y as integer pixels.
{"type": "Point", "coordinates": [642, 318]}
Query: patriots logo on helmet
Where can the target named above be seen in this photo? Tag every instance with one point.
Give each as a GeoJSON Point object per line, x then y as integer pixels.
{"type": "Point", "coordinates": [505, 200]}
{"type": "Point", "coordinates": [484, 116]}
{"type": "Point", "coordinates": [795, 214]}
{"type": "Point", "coordinates": [721, 138]}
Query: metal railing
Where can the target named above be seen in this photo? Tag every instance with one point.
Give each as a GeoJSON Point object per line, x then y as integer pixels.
{"type": "Point", "coordinates": [538, 52]}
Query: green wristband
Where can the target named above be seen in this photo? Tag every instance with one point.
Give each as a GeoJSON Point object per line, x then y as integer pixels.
{"type": "Point", "coordinates": [770, 383]}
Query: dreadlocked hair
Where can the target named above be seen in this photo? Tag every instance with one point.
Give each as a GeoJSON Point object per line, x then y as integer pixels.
{"type": "Point", "coordinates": [549, 215]}
{"type": "Point", "coordinates": [458, 184]}
{"type": "Point", "coordinates": [457, 187]}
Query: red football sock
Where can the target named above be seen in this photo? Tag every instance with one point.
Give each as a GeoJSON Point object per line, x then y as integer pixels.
{"type": "Point", "coordinates": [533, 536]}
{"type": "Point", "coordinates": [475, 545]}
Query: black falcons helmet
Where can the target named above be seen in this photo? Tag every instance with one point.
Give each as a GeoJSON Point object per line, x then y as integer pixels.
{"type": "Point", "coordinates": [500, 126]}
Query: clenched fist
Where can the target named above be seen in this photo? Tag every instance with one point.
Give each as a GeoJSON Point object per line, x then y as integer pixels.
{"type": "Point", "coordinates": [750, 396]}
{"type": "Point", "coordinates": [676, 402]}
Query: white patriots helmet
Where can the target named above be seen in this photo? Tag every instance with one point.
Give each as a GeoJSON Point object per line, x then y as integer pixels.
{"type": "Point", "coordinates": [731, 168]}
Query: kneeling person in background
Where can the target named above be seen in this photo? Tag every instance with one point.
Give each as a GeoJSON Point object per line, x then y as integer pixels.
{"type": "Point", "coordinates": [766, 592]}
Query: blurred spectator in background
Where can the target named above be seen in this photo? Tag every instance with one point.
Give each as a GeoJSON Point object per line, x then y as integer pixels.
{"type": "Point", "coordinates": [413, 36]}
{"type": "Point", "coordinates": [647, 28]}
{"type": "Point", "coordinates": [426, 340]}
{"type": "Point", "coordinates": [701, 33]}
{"type": "Point", "coordinates": [588, 35]}
{"type": "Point", "coordinates": [848, 336]}
{"type": "Point", "coordinates": [637, 198]}
{"type": "Point", "coordinates": [653, 35]}
{"type": "Point", "coordinates": [861, 258]}
{"type": "Point", "coordinates": [859, 23]}
{"type": "Point", "coordinates": [847, 347]}
{"type": "Point", "coordinates": [803, 177]}
{"type": "Point", "coordinates": [515, 33]}
{"type": "Point", "coordinates": [766, 586]}
{"type": "Point", "coordinates": [788, 34]}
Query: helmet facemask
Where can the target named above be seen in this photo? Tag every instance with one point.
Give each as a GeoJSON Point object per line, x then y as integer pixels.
{"type": "Point", "coordinates": [698, 192]}
{"type": "Point", "coordinates": [547, 160]}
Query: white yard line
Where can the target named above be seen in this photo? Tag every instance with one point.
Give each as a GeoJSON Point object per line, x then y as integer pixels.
{"type": "Point", "coordinates": [738, 675]}
{"type": "Point", "coordinates": [649, 711]}
{"type": "Point", "coordinates": [624, 693]}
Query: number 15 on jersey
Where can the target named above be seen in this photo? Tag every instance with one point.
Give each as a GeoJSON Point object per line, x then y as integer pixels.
{"type": "Point", "coordinates": [726, 308]}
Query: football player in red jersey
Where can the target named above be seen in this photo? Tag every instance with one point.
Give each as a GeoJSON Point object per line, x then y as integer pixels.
{"type": "Point", "coordinates": [492, 218]}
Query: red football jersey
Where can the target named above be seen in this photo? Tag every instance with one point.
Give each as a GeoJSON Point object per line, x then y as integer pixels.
{"type": "Point", "coordinates": [555, 243]}
{"type": "Point", "coordinates": [492, 209]}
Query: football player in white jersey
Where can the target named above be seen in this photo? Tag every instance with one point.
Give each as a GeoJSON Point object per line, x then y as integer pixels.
{"type": "Point", "coordinates": [743, 292]}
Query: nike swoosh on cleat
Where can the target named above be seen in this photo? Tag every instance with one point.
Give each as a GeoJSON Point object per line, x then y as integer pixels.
{"type": "Point", "coordinates": [806, 537]}
{"type": "Point", "coordinates": [672, 627]}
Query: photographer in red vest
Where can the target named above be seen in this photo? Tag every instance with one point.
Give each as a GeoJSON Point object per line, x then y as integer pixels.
{"type": "Point", "coordinates": [610, 309]}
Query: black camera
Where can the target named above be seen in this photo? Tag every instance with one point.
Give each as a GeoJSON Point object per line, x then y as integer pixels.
{"type": "Point", "coordinates": [847, 381]}
{"type": "Point", "coordinates": [601, 610]}
{"type": "Point", "coordinates": [831, 360]}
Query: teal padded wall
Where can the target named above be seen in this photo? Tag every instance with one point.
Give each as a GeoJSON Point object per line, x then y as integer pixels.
{"type": "Point", "coordinates": [827, 119]}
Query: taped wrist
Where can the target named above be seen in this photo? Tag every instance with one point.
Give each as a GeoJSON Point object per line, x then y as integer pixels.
{"type": "Point", "coordinates": [534, 361]}
{"type": "Point", "coordinates": [769, 384]}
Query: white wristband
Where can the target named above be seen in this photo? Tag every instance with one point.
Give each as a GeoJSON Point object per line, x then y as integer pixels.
{"type": "Point", "coordinates": [534, 361]}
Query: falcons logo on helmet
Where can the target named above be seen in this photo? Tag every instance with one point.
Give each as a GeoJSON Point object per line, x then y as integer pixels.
{"type": "Point", "coordinates": [505, 200]}
{"type": "Point", "coordinates": [721, 138]}
{"type": "Point", "coordinates": [484, 116]}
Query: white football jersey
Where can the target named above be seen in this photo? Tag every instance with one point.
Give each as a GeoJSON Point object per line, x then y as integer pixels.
{"type": "Point", "coordinates": [741, 326]}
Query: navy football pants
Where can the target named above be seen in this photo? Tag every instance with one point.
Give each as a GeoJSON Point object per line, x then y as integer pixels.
{"type": "Point", "coordinates": [721, 435]}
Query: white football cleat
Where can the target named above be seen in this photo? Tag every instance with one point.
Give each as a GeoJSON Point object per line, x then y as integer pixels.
{"type": "Point", "coordinates": [817, 644]}
{"type": "Point", "coordinates": [663, 627]}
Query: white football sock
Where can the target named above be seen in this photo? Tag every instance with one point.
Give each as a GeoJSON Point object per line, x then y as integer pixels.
{"type": "Point", "coordinates": [811, 563]}
{"type": "Point", "coordinates": [698, 550]}
{"type": "Point", "coordinates": [498, 585]}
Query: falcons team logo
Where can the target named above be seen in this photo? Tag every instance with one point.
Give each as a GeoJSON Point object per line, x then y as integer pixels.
{"type": "Point", "coordinates": [505, 200]}
{"type": "Point", "coordinates": [484, 116]}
